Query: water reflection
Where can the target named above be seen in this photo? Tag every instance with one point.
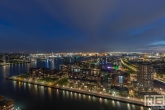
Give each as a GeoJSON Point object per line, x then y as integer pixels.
{"type": "Point", "coordinates": [93, 98]}
{"type": "Point", "coordinates": [67, 94]}
{"type": "Point", "coordinates": [128, 106]}
{"type": "Point", "coordinates": [89, 97]}
{"type": "Point", "coordinates": [52, 65]}
{"type": "Point", "coordinates": [14, 83]}
{"type": "Point", "coordinates": [42, 91]}
{"type": "Point", "coordinates": [100, 99]}
{"type": "Point", "coordinates": [57, 93]}
{"type": "Point", "coordinates": [64, 94]}
{"type": "Point", "coordinates": [118, 104]}
{"type": "Point", "coordinates": [79, 96]}
{"type": "Point", "coordinates": [24, 85]}
{"type": "Point", "coordinates": [75, 96]}
{"type": "Point", "coordinates": [105, 101]}
{"type": "Point", "coordinates": [50, 92]}
{"type": "Point", "coordinates": [36, 88]}
{"type": "Point", "coordinates": [113, 103]}
{"type": "Point", "coordinates": [5, 71]}
{"type": "Point", "coordinates": [47, 63]}
{"type": "Point", "coordinates": [19, 84]}
{"type": "Point", "coordinates": [83, 96]}
{"type": "Point", "coordinates": [71, 95]}
{"type": "Point", "coordinates": [133, 107]}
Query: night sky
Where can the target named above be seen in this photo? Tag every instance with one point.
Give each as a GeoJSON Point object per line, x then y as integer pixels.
{"type": "Point", "coordinates": [82, 25]}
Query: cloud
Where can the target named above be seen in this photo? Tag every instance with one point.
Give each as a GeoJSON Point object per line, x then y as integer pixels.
{"type": "Point", "coordinates": [158, 43]}
{"type": "Point", "coordinates": [82, 25]}
{"type": "Point", "coordinates": [158, 48]}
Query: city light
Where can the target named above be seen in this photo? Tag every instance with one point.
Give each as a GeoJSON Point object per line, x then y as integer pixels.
{"type": "Point", "coordinates": [114, 83]}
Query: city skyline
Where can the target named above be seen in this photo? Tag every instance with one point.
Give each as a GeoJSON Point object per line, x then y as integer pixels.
{"type": "Point", "coordinates": [82, 26]}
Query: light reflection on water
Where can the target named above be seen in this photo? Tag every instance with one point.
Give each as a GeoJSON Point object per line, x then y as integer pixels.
{"type": "Point", "coordinates": [4, 71]}
{"type": "Point", "coordinates": [67, 94]}
{"type": "Point", "coordinates": [133, 106]}
{"type": "Point", "coordinates": [41, 91]}
{"type": "Point", "coordinates": [57, 93]}
{"type": "Point", "coordinates": [113, 103]}
{"type": "Point", "coordinates": [128, 106]}
{"type": "Point", "coordinates": [71, 95]}
{"type": "Point", "coordinates": [89, 98]}
{"type": "Point", "coordinates": [93, 98]}
{"type": "Point", "coordinates": [100, 99]}
{"type": "Point", "coordinates": [19, 84]}
{"type": "Point", "coordinates": [50, 92]}
{"type": "Point", "coordinates": [52, 65]}
{"type": "Point", "coordinates": [141, 108]}
{"type": "Point", "coordinates": [14, 83]}
{"type": "Point", "coordinates": [36, 88]}
{"type": "Point", "coordinates": [64, 94]}
{"type": "Point", "coordinates": [83, 96]}
{"type": "Point", "coordinates": [105, 101]}
{"type": "Point", "coordinates": [75, 96]}
{"type": "Point", "coordinates": [24, 85]}
{"type": "Point", "coordinates": [79, 96]}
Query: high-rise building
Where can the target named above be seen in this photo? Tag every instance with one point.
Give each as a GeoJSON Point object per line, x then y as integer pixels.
{"type": "Point", "coordinates": [145, 77]}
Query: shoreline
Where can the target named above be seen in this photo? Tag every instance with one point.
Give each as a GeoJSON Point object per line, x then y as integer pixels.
{"type": "Point", "coordinates": [99, 95]}
{"type": "Point", "coordinates": [13, 63]}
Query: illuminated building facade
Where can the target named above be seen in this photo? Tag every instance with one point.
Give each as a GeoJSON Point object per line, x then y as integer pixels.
{"type": "Point", "coordinates": [41, 72]}
{"type": "Point", "coordinates": [145, 77]}
{"type": "Point", "coordinates": [120, 79]}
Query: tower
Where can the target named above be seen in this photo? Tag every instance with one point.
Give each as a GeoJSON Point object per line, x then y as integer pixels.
{"type": "Point", "coordinates": [145, 77]}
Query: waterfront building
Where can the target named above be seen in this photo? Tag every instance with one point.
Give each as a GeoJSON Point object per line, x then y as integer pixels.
{"type": "Point", "coordinates": [41, 72]}
{"type": "Point", "coordinates": [145, 77]}
{"type": "Point", "coordinates": [120, 79]}
{"type": "Point", "coordinates": [120, 90]}
{"type": "Point", "coordinates": [85, 76]}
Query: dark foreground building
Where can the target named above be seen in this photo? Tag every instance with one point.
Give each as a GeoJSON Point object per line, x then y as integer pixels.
{"type": "Point", "coordinates": [6, 104]}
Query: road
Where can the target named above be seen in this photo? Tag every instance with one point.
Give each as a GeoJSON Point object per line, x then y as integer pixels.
{"type": "Point", "coordinates": [128, 65]}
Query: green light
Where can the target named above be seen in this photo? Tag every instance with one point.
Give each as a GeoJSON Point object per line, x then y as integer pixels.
{"type": "Point", "coordinates": [116, 67]}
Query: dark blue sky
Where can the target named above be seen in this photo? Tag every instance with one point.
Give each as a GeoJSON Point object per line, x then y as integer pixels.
{"type": "Point", "coordinates": [82, 25]}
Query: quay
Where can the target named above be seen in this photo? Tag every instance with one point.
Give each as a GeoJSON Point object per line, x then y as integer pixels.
{"type": "Point", "coordinates": [91, 93]}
